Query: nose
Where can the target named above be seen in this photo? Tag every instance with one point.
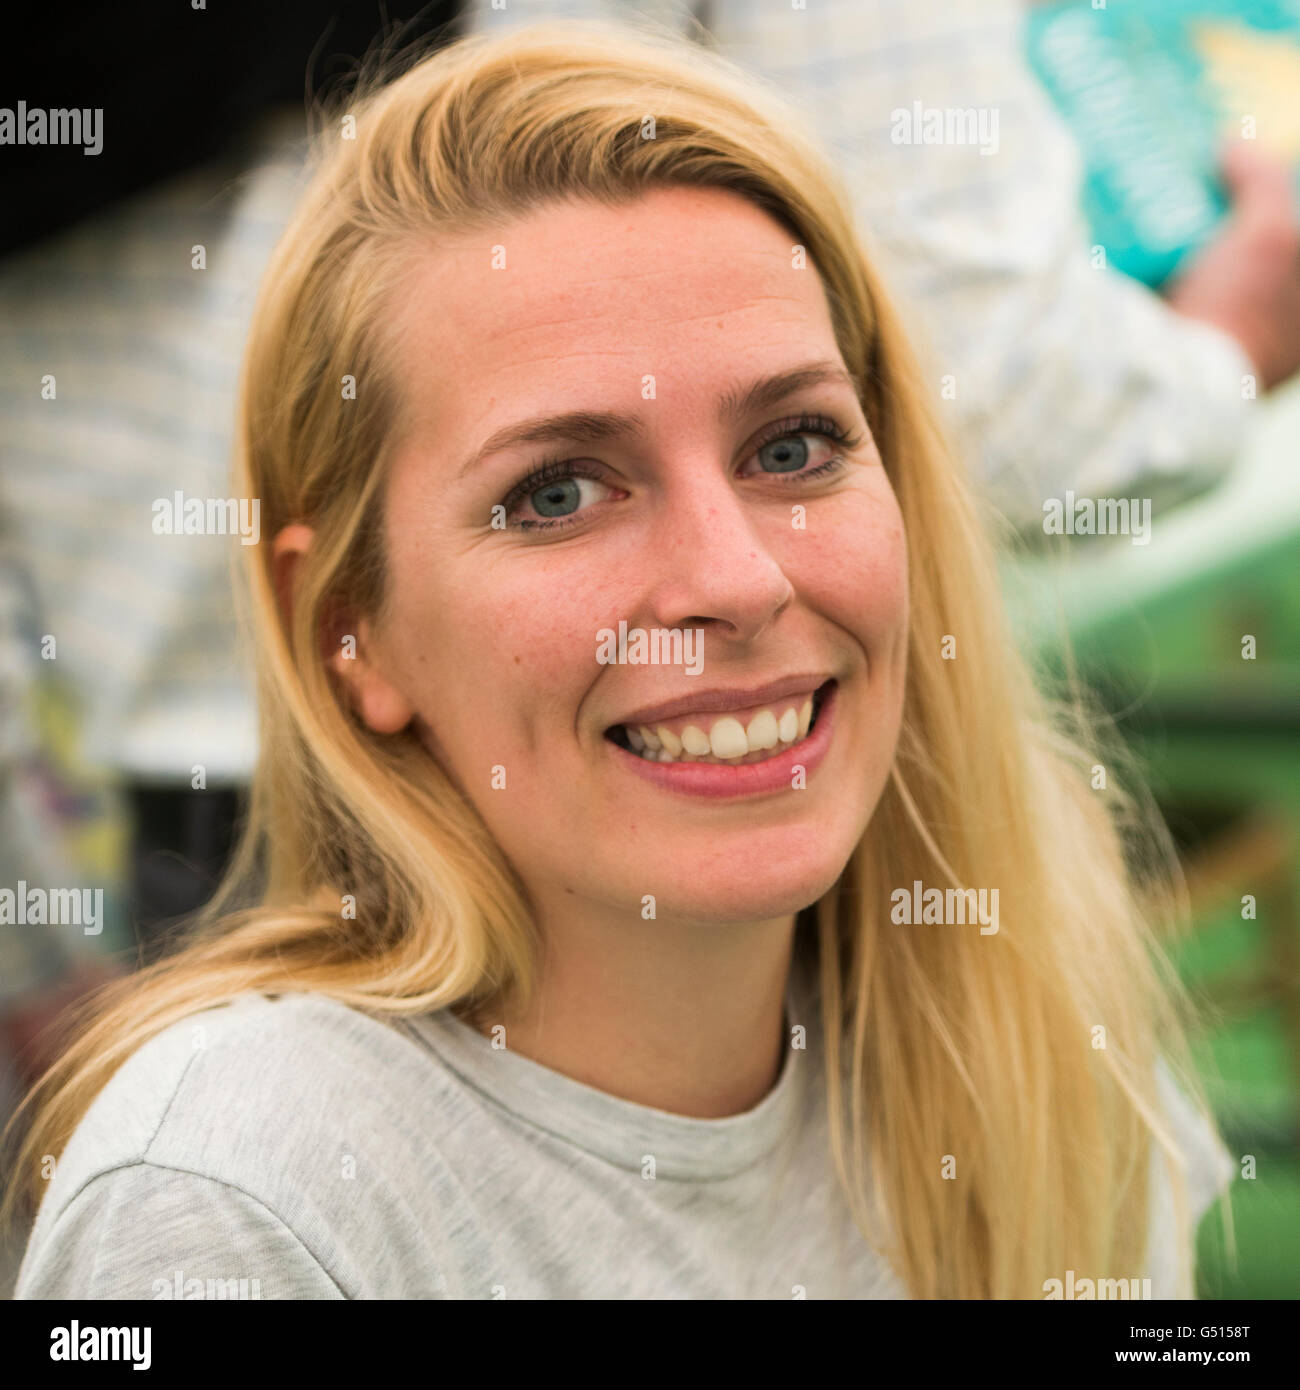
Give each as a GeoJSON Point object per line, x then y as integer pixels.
{"type": "Point", "coordinates": [714, 567]}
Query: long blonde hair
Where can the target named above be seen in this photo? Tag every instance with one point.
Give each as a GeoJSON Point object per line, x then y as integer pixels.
{"type": "Point", "coordinates": [984, 1139]}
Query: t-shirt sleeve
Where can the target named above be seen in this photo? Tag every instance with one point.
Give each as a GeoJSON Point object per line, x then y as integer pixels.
{"type": "Point", "coordinates": [148, 1232]}
{"type": "Point", "coordinates": [1208, 1169]}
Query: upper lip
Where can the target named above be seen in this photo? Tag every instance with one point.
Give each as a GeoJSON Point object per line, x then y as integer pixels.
{"type": "Point", "coordinates": [711, 701]}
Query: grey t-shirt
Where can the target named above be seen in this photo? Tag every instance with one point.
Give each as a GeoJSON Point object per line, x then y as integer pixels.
{"type": "Point", "coordinates": [312, 1151]}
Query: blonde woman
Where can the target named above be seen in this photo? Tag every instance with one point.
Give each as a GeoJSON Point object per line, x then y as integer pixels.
{"type": "Point", "coordinates": [668, 880]}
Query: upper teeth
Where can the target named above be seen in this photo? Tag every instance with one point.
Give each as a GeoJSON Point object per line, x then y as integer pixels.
{"type": "Point", "coordinates": [727, 738]}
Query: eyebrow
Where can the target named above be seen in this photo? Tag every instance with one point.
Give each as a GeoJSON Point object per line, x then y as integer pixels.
{"type": "Point", "coordinates": [595, 427]}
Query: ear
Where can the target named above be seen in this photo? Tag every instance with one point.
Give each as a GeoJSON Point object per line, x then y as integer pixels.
{"type": "Point", "coordinates": [349, 645]}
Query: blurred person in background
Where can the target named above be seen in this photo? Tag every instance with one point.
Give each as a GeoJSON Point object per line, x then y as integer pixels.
{"type": "Point", "coordinates": [1062, 375]}
{"type": "Point", "coordinates": [126, 283]}
{"type": "Point", "coordinates": [120, 377]}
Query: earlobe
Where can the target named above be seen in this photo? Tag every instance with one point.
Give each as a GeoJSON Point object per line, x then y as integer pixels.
{"type": "Point", "coordinates": [385, 710]}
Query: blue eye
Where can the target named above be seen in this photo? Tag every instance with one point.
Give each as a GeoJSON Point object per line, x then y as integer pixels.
{"type": "Point", "coordinates": [786, 448]}
{"type": "Point", "coordinates": [558, 498]}
{"type": "Point", "coordinates": [783, 455]}
{"type": "Point", "coordinates": [557, 492]}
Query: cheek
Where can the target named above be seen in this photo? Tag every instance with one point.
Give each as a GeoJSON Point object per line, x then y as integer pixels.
{"type": "Point", "coordinates": [851, 565]}
{"type": "Point", "coordinates": [498, 656]}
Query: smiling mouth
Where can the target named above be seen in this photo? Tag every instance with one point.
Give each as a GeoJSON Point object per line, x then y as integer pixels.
{"type": "Point", "coordinates": [730, 738]}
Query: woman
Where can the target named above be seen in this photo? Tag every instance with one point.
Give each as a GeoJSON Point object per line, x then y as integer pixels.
{"type": "Point", "coordinates": [631, 664]}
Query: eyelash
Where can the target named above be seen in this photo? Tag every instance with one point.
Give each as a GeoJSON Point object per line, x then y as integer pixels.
{"type": "Point", "coordinates": [553, 469]}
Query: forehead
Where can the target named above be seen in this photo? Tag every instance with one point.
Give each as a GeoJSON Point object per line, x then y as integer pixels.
{"type": "Point", "coordinates": [695, 287]}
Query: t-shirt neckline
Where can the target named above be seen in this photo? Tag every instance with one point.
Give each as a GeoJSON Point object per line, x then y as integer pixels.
{"type": "Point", "coordinates": [621, 1131]}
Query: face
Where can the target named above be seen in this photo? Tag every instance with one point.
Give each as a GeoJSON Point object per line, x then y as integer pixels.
{"type": "Point", "coordinates": [641, 417]}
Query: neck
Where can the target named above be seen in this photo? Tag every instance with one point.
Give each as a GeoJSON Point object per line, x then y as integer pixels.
{"type": "Point", "coordinates": [683, 1017]}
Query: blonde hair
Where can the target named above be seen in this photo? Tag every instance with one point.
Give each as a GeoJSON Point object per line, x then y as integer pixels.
{"type": "Point", "coordinates": [981, 1048]}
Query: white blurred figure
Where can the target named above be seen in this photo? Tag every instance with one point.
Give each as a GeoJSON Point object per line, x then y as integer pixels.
{"type": "Point", "coordinates": [1053, 374]}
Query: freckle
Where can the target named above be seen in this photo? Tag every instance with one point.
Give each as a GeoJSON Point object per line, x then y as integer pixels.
{"type": "Point", "coordinates": [517, 660]}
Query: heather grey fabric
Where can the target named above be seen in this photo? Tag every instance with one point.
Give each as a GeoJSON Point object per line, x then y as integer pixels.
{"type": "Point", "coordinates": [311, 1151]}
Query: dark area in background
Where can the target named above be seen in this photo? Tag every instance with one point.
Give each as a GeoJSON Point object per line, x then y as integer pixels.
{"type": "Point", "coordinates": [175, 84]}
{"type": "Point", "coordinates": [181, 841]}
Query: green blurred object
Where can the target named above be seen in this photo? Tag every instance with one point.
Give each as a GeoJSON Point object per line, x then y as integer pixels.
{"type": "Point", "coordinates": [1192, 641]}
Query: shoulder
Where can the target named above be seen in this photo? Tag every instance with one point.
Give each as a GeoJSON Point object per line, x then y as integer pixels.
{"type": "Point", "coordinates": [141, 1231]}
{"type": "Point", "coordinates": [240, 1119]}
{"type": "Point", "coordinates": [235, 1086]}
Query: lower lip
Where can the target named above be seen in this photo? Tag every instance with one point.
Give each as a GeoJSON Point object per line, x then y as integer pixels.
{"type": "Point", "coordinates": [744, 779]}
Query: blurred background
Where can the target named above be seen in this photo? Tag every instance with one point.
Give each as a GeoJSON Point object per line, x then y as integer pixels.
{"type": "Point", "coordinates": [1087, 211]}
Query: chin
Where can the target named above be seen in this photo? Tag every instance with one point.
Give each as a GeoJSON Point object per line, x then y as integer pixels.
{"type": "Point", "coordinates": [752, 893]}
